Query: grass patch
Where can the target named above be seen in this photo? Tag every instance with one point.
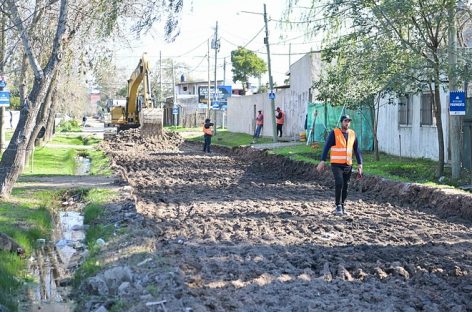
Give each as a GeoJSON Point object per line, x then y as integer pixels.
{"type": "Point", "coordinates": [25, 217]}
{"type": "Point", "coordinates": [417, 170]}
{"type": "Point", "coordinates": [182, 129]}
{"type": "Point", "coordinates": [75, 140]}
{"type": "Point", "coordinates": [230, 139]}
{"type": "Point", "coordinates": [93, 211]}
{"type": "Point", "coordinates": [100, 163]}
{"type": "Point", "coordinates": [8, 134]}
{"type": "Point", "coordinates": [48, 161]}
{"type": "Point", "coordinates": [12, 273]}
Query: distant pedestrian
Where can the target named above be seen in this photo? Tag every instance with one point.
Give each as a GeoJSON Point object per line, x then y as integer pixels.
{"type": "Point", "coordinates": [343, 143]}
{"type": "Point", "coordinates": [207, 134]}
{"type": "Point", "coordinates": [259, 125]}
{"type": "Point", "coordinates": [279, 119]}
{"type": "Point", "coordinates": [11, 119]}
{"type": "Point", "coordinates": [84, 121]}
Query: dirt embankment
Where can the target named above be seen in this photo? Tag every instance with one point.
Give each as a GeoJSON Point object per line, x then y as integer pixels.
{"type": "Point", "coordinates": [244, 231]}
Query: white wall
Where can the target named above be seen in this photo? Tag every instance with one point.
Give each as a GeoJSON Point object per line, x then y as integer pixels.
{"type": "Point", "coordinates": [416, 141]}
{"type": "Point", "coordinates": [6, 119]}
{"type": "Point", "coordinates": [293, 101]}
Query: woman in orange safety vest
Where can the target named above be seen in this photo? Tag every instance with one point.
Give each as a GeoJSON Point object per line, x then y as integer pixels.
{"type": "Point", "coordinates": [207, 134]}
{"type": "Point", "coordinates": [343, 143]}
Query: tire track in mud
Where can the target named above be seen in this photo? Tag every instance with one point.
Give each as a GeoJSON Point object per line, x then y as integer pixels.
{"type": "Point", "coordinates": [248, 235]}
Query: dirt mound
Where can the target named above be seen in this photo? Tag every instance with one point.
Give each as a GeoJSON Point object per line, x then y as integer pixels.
{"type": "Point", "coordinates": [132, 141]}
{"type": "Point", "coordinates": [446, 202]}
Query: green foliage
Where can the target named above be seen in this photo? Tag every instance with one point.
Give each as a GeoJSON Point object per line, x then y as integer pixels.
{"type": "Point", "coordinates": [100, 163]}
{"type": "Point", "coordinates": [12, 271]}
{"type": "Point", "coordinates": [123, 92]}
{"type": "Point", "coordinates": [92, 212]}
{"type": "Point", "coordinates": [69, 126]}
{"type": "Point", "coordinates": [25, 218]}
{"type": "Point", "coordinates": [246, 64]}
{"type": "Point", "coordinates": [15, 102]}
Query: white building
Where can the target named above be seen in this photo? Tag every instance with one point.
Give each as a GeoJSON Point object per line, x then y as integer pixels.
{"type": "Point", "coordinates": [407, 126]}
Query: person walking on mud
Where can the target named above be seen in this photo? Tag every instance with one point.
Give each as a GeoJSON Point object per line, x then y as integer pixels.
{"type": "Point", "coordinates": [342, 142]}
{"type": "Point", "coordinates": [259, 125]}
{"type": "Point", "coordinates": [207, 134]}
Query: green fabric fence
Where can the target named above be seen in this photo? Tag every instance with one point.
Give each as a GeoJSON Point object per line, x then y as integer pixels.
{"type": "Point", "coordinates": [327, 118]}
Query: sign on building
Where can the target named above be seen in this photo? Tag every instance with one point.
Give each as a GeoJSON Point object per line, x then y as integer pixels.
{"type": "Point", "coordinates": [218, 101]}
{"type": "Point", "coordinates": [457, 103]}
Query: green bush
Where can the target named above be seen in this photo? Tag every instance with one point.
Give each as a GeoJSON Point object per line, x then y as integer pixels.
{"type": "Point", "coordinates": [69, 126]}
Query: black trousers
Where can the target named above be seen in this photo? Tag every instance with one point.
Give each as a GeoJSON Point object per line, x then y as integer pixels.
{"type": "Point", "coordinates": [279, 130]}
{"type": "Point", "coordinates": [207, 143]}
{"type": "Point", "coordinates": [342, 175]}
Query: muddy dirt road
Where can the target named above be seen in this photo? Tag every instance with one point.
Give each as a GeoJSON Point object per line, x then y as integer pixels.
{"type": "Point", "coordinates": [248, 233]}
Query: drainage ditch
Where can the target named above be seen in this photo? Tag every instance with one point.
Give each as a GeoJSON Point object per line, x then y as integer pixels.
{"type": "Point", "coordinates": [53, 262]}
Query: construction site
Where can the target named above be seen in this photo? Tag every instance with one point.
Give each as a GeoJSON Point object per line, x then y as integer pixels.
{"type": "Point", "coordinates": [241, 230]}
{"type": "Point", "coordinates": [135, 175]}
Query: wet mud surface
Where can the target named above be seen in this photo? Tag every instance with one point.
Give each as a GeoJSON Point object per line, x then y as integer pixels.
{"type": "Point", "coordinates": [247, 231]}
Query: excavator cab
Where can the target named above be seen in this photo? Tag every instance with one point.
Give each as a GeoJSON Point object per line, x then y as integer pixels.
{"type": "Point", "coordinates": [140, 111]}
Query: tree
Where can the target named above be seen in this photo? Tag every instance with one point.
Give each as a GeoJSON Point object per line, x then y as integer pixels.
{"type": "Point", "coordinates": [416, 27]}
{"type": "Point", "coordinates": [79, 20]}
{"type": "Point", "coordinates": [360, 71]}
{"type": "Point", "coordinates": [246, 64]}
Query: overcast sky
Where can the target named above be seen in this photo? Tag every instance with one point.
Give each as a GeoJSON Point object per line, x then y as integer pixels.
{"type": "Point", "coordinates": [235, 28]}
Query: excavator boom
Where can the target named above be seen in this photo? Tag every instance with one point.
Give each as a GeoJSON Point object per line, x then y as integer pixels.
{"type": "Point", "coordinates": [139, 111]}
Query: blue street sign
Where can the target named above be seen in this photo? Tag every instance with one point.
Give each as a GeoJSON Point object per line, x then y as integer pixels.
{"type": "Point", "coordinates": [457, 103]}
{"type": "Point", "coordinates": [4, 98]}
{"type": "Point", "coordinates": [271, 96]}
{"type": "Point", "coordinates": [175, 111]}
{"type": "Point", "coordinates": [215, 105]}
{"type": "Point", "coordinates": [3, 84]}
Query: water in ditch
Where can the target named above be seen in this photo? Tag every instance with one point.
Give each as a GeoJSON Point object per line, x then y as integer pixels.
{"type": "Point", "coordinates": [83, 166]}
{"type": "Point", "coordinates": [53, 262]}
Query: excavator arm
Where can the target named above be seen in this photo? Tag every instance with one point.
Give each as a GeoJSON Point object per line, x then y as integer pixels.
{"type": "Point", "coordinates": [140, 111]}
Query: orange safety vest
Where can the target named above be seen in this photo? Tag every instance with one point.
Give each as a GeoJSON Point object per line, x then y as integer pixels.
{"type": "Point", "coordinates": [260, 120]}
{"type": "Point", "coordinates": [341, 152]}
{"type": "Point", "coordinates": [280, 121]}
{"type": "Point", "coordinates": [207, 131]}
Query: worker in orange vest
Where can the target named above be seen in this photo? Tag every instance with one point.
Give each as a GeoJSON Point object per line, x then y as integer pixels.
{"type": "Point", "coordinates": [343, 143]}
{"type": "Point", "coordinates": [259, 125]}
{"type": "Point", "coordinates": [279, 119]}
{"type": "Point", "coordinates": [207, 134]}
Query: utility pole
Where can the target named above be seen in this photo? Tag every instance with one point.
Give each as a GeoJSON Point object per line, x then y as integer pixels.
{"type": "Point", "coordinates": [271, 83]}
{"type": "Point", "coordinates": [208, 93]}
{"type": "Point", "coordinates": [216, 46]}
{"type": "Point", "coordinates": [161, 104]}
{"type": "Point", "coordinates": [174, 97]}
{"type": "Point", "coordinates": [289, 55]}
{"type": "Point", "coordinates": [224, 71]}
{"type": "Point", "coordinates": [454, 120]}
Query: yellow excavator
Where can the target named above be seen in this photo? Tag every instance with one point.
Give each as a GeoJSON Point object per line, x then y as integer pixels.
{"type": "Point", "coordinates": [139, 111]}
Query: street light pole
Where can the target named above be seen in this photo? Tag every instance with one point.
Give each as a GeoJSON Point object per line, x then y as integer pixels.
{"type": "Point", "coordinates": [271, 83]}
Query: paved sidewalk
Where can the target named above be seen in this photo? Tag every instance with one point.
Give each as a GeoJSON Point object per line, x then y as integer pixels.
{"type": "Point", "coordinates": [276, 145]}
{"type": "Point", "coordinates": [66, 182]}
